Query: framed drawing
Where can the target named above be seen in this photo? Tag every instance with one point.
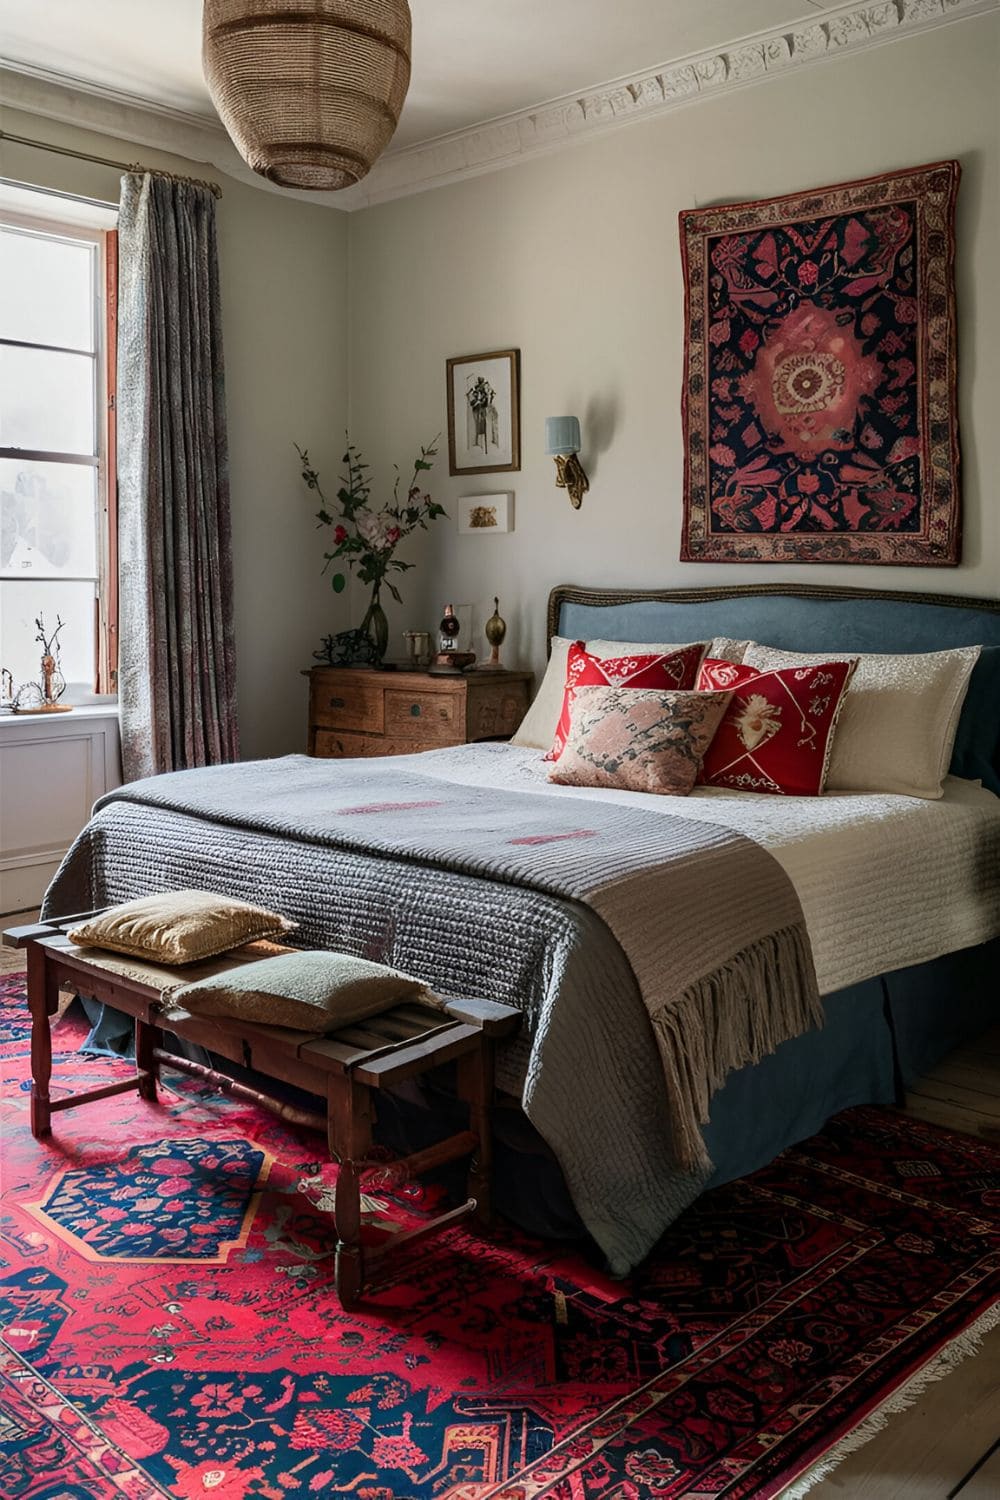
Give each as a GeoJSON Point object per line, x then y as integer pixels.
{"type": "Point", "coordinates": [486, 515]}
{"type": "Point", "coordinates": [484, 420]}
{"type": "Point", "coordinates": [820, 403]}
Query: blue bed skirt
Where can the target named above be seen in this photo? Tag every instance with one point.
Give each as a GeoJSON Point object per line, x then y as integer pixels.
{"type": "Point", "coordinates": [880, 1036]}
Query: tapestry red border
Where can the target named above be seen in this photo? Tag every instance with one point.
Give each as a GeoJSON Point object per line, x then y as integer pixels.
{"type": "Point", "coordinates": [820, 375]}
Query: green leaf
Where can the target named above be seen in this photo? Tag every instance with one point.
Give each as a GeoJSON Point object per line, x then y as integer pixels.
{"type": "Point", "coordinates": [421, 465]}
{"type": "Point", "coordinates": [339, 583]}
{"type": "Point", "coordinates": [394, 591]}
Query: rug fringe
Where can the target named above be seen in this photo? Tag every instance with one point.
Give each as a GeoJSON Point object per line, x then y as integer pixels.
{"type": "Point", "coordinates": [946, 1360]}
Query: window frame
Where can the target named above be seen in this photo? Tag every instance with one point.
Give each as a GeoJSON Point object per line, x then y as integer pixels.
{"type": "Point", "coordinates": [104, 358]}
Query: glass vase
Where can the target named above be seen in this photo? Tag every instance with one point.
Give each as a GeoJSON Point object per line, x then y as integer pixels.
{"type": "Point", "coordinates": [376, 626]}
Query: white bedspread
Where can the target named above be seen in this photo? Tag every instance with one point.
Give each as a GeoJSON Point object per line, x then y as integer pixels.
{"type": "Point", "coordinates": [885, 881]}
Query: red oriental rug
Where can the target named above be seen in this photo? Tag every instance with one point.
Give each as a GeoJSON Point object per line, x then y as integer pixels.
{"type": "Point", "coordinates": [820, 395]}
{"type": "Point", "coordinates": [170, 1327]}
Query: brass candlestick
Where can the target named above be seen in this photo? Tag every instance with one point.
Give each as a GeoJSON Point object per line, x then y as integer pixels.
{"type": "Point", "coordinates": [495, 630]}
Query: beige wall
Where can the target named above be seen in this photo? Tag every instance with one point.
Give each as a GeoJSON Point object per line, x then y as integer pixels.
{"type": "Point", "coordinates": [574, 259]}
{"type": "Point", "coordinates": [283, 271]}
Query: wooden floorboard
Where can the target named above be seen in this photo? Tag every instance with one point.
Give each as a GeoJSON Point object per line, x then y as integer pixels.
{"type": "Point", "coordinates": [924, 1453]}
{"type": "Point", "coordinates": [985, 1483]}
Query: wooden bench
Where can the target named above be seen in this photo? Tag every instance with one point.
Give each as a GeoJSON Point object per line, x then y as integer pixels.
{"type": "Point", "coordinates": [345, 1068]}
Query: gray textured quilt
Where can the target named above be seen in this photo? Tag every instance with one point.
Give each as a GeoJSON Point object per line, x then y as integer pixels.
{"type": "Point", "coordinates": [603, 923]}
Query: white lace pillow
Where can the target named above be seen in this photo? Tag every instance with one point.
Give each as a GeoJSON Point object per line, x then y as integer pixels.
{"type": "Point", "coordinates": [537, 729]}
{"type": "Point", "coordinates": [898, 720]}
{"type": "Point", "coordinates": [724, 648]}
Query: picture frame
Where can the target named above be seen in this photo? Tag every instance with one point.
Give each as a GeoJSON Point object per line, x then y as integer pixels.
{"type": "Point", "coordinates": [486, 515]}
{"type": "Point", "coordinates": [484, 417]}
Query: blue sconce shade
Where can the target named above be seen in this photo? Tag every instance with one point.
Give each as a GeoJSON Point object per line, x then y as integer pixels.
{"type": "Point", "coordinates": [562, 435]}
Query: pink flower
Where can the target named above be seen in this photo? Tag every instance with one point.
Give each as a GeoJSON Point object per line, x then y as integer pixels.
{"type": "Point", "coordinates": [326, 1429]}
{"type": "Point", "coordinates": [790, 1351]}
{"type": "Point", "coordinates": [218, 1400]}
{"type": "Point", "coordinates": [808, 273]}
{"type": "Point", "coordinates": [340, 534]}
{"type": "Point", "coordinates": [723, 456]}
{"type": "Point", "coordinates": [392, 536]}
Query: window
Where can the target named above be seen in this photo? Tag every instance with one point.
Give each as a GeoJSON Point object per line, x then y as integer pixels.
{"type": "Point", "coordinates": [57, 533]}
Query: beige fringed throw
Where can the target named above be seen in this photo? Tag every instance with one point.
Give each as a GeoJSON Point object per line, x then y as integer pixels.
{"type": "Point", "coordinates": [717, 942]}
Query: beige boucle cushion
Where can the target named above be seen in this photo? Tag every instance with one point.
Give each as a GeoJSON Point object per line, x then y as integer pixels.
{"type": "Point", "coordinates": [537, 729]}
{"type": "Point", "coordinates": [307, 991]}
{"type": "Point", "coordinates": [898, 719]}
{"type": "Point", "coordinates": [179, 927]}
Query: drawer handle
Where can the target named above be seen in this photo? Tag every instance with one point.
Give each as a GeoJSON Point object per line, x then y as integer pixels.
{"type": "Point", "coordinates": [415, 710]}
{"type": "Point", "coordinates": [336, 703]}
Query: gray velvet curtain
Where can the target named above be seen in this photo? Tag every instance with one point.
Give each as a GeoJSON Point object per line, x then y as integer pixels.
{"type": "Point", "coordinates": [177, 658]}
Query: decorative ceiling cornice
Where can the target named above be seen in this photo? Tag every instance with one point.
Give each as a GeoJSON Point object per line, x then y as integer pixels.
{"type": "Point", "coordinates": [852, 27]}
{"type": "Point", "coordinates": [848, 28]}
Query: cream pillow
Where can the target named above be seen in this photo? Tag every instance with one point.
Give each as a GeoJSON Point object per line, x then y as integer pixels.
{"type": "Point", "coordinates": [179, 927]}
{"type": "Point", "coordinates": [897, 724]}
{"type": "Point", "coordinates": [307, 991]}
{"type": "Point", "coordinates": [724, 648]}
{"type": "Point", "coordinates": [537, 729]}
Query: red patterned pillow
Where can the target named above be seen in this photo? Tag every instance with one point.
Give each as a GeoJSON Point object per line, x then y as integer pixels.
{"type": "Point", "coordinates": [666, 672]}
{"type": "Point", "coordinates": [777, 734]}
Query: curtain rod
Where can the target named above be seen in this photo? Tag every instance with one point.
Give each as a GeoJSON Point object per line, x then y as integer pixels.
{"type": "Point", "coordinates": [104, 161]}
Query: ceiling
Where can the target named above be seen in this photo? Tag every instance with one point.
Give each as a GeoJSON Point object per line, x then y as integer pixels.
{"type": "Point", "coordinates": [472, 61]}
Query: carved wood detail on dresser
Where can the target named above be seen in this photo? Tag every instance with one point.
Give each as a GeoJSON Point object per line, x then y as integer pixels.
{"type": "Point", "coordinates": [356, 711]}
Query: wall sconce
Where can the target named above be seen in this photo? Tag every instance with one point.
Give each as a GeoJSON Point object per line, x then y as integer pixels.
{"type": "Point", "coordinates": [562, 442]}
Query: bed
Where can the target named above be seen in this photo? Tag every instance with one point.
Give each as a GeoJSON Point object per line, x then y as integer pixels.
{"type": "Point", "coordinates": [900, 899]}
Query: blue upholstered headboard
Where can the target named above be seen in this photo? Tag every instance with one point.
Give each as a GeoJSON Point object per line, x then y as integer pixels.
{"type": "Point", "coordinates": [810, 617]}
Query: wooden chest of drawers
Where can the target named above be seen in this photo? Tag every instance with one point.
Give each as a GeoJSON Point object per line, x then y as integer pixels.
{"type": "Point", "coordinates": [354, 711]}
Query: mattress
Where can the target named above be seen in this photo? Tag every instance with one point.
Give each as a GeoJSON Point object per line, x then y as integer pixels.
{"type": "Point", "coordinates": [885, 881]}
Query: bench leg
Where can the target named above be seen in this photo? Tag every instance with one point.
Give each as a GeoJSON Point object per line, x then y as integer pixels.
{"type": "Point", "coordinates": [43, 1002]}
{"type": "Point", "coordinates": [475, 1086]}
{"type": "Point", "coordinates": [348, 1129]}
{"type": "Point", "coordinates": [147, 1037]}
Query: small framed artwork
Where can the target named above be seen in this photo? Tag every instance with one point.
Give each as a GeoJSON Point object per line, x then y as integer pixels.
{"type": "Point", "coordinates": [484, 419]}
{"type": "Point", "coordinates": [486, 515]}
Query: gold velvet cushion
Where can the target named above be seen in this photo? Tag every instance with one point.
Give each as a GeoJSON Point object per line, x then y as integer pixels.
{"type": "Point", "coordinates": [639, 739]}
{"type": "Point", "coordinates": [307, 991]}
{"type": "Point", "coordinates": [179, 927]}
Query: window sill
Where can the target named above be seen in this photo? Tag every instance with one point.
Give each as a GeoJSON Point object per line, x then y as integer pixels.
{"type": "Point", "coordinates": [76, 712]}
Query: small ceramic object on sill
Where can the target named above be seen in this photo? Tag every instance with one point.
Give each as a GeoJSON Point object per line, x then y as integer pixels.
{"type": "Point", "coordinates": [39, 697]}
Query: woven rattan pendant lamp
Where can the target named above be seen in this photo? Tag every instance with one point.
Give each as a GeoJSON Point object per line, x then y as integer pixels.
{"type": "Point", "coordinates": [310, 92]}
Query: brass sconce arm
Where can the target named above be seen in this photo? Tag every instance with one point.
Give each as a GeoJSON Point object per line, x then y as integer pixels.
{"type": "Point", "coordinates": [570, 476]}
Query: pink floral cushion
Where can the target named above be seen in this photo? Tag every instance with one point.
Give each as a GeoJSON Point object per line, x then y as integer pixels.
{"type": "Point", "coordinates": [638, 739]}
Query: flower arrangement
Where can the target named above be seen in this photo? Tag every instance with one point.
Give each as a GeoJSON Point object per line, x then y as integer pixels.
{"type": "Point", "coordinates": [365, 538]}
